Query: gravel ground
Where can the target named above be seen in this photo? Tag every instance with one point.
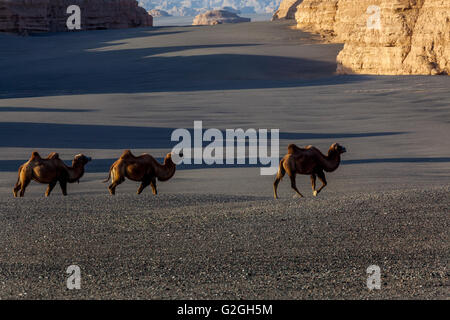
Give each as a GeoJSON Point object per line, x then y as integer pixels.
{"type": "Point", "coordinates": [181, 246]}
{"type": "Point", "coordinates": [217, 232]}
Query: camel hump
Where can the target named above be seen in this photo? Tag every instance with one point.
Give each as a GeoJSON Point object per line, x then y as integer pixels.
{"type": "Point", "coordinates": [53, 156]}
{"type": "Point", "coordinates": [292, 148]}
{"type": "Point", "coordinates": [126, 154]}
{"type": "Point", "coordinates": [35, 156]}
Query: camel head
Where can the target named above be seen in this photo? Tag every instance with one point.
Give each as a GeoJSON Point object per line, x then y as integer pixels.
{"type": "Point", "coordinates": [174, 157]}
{"type": "Point", "coordinates": [80, 159]}
{"type": "Point", "coordinates": [337, 148]}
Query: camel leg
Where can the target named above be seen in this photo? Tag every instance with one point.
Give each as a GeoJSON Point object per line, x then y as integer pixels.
{"type": "Point", "coordinates": [16, 188]}
{"type": "Point", "coordinates": [144, 185]}
{"type": "Point", "coordinates": [50, 187]}
{"type": "Point", "coordinates": [322, 178]}
{"type": "Point", "coordinates": [280, 174]}
{"type": "Point", "coordinates": [293, 184]}
{"type": "Point", "coordinates": [113, 186]}
{"type": "Point", "coordinates": [153, 185]}
{"type": "Point", "coordinates": [23, 185]}
{"type": "Point", "coordinates": [313, 184]}
{"type": "Point", "coordinates": [63, 185]}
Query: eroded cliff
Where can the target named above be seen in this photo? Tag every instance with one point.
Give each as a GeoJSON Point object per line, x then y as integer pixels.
{"type": "Point", "coordinates": [286, 10]}
{"type": "Point", "coordinates": [30, 16]}
{"type": "Point", "coordinates": [383, 36]}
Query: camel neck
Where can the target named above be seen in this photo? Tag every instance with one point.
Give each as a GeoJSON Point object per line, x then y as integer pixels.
{"type": "Point", "coordinates": [168, 162]}
{"type": "Point", "coordinates": [333, 159]}
{"type": "Point", "coordinates": [76, 171]}
{"type": "Point", "coordinates": [167, 170]}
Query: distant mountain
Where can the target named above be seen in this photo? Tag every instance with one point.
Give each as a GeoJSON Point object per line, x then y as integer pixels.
{"type": "Point", "coordinates": [194, 7]}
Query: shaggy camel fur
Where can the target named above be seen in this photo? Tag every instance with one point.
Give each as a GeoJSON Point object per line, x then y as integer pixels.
{"type": "Point", "coordinates": [50, 170]}
{"type": "Point", "coordinates": [308, 161]}
{"type": "Point", "coordinates": [143, 168]}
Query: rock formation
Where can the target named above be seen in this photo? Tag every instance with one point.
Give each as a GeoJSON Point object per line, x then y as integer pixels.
{"type": "Point", "coordinates": [317, 16]}
{"type": "Point", "coordinates": [286, 10]}
{"type": "Point", "coordinates": [383, 36]}
{"type": "Point", "coordinates": [214, 17]}
{"type": "Point", "coordinates": [30, 16]}
{"type": "Point", "coordinates": [156, 13]}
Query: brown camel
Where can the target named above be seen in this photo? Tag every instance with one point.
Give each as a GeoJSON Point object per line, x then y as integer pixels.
{"type": "Point", "coordinates": [143, 168]}
{"type": "Point", "coordinates": [50, 170]}
{"type": "Point", "coordinates": [308, 161]}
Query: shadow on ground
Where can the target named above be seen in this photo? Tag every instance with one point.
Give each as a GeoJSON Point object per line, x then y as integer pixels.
{"type": "Point", "coordinates": [50, 135]}
{"type": "Point", "coordinates": [33, 109]}
{"type": "Point", "coordinates": [82, 64]}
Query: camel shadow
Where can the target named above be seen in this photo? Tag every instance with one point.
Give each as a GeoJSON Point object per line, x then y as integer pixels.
{"type": "Point", "coordinates": [398, 160]}
{"type": "Point", "coordinates": [310, 136]}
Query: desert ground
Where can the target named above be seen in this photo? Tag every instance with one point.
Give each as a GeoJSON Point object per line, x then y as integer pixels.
{"type": "Point", "coordinates": [216, 232]}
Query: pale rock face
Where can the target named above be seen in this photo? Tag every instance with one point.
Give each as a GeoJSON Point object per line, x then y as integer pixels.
{"type": "Point", "coordinates": [317, 16]}
{"type": "Point", "coordinates": [286, 10]}
{"type": "Point", "coordinates": [214, 17]}
{"type": "Point", "coordinates": [409, 37]}
{"type": "Point", "coordinates": [430, 41]}
{"type": "Point", "coordinates": [30, 16]}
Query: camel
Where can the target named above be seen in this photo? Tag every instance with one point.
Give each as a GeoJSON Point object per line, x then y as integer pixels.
{"type": "Point", "coordinates": [50, 170]}
{"type": "Point", "coordinates": [308, 161]}
{"type": "Point", "coordinates": [143, 168]}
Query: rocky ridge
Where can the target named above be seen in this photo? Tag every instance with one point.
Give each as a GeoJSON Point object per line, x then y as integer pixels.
{"type": "Point", "coordinates": [33, 16]}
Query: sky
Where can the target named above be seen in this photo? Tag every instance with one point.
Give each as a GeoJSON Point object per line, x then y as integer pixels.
{"type": "Point", "coordinates": [189, 7]}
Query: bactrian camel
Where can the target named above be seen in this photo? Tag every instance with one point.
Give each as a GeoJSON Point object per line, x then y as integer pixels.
{"type": "Point", "coordinates": [50, 170]}
{"type": "Point", "coordinates": [308, 160]}
{"type": "Point", "coordinates": [143, 168]}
